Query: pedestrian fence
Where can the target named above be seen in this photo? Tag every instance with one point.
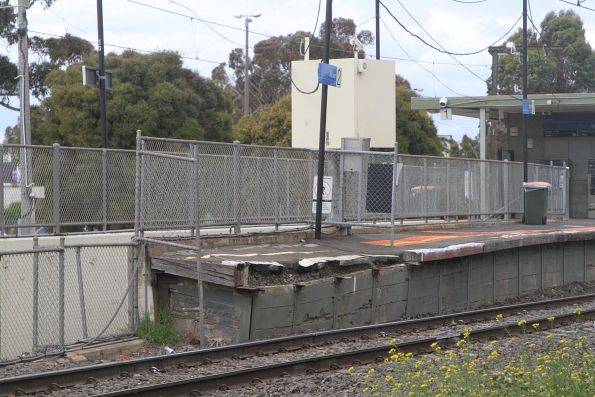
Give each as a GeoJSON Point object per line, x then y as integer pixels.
{"type": "Point", "coordinates": [234, 184]}
{"type": "Point", "coordinates": [54, 189]}
{"type": "Point", "coordinates": [54, 297]}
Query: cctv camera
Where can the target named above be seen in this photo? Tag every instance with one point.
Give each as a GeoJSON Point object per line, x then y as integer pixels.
{"type": "Point", "coordinates": [443, 102]}
{"type": "Point", "coordinates": [356, 44]}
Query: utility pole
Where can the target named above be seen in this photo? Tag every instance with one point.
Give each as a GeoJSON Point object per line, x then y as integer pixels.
{"type": "Point", "coordinates": [495, 52]}
{"type": "Point", "coordinates": [323, 102]}
{"type": "Point", "coordinates": [25, 114]}
{"type": "Point", "coordinates": [247, 20]}
{"type": "Point", "coordinates": [525, 88]}
{"type": "Point", "coordinates": [377, 29]}
{"type": "Point", "coordinates": [102, 105]}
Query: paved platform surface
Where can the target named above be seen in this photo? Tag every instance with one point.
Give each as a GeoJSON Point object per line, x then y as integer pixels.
{"type": "Point", "coordinates": [378, 244]}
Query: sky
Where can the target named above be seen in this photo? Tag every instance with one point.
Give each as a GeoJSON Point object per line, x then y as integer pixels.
{"type": "Point", "coordinates": [459, 26]}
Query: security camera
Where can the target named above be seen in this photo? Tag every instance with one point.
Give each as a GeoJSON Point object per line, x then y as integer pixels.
{"type": "Point", "coordinates": [443, 102]}
{"type": "Point", "coordinates": [356, 44]}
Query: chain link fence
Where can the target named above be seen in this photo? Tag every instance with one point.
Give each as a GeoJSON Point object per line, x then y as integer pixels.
{"type": "Point", "coordinates": [53, 297]}
{"type": "Point", "coordinates": [57, 189]}
{"type": "Point", "coordinates": [242, 185]}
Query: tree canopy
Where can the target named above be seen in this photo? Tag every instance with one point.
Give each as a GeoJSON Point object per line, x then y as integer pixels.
{"type": "Point", "coordinates": [560, 58]}
{"type": "Point", "coordinates": [152, 92]}
{"type": "Point", "coordinates": [270, 76]}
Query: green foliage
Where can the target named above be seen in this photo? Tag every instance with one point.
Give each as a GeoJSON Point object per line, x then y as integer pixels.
{"type": "Point", "coordinates": [564, 367]}
{"type": "Point", "coordinates": [160, 331]}
{"type": "Point", "coordinates": [560, 59]}
{"type": "Point", "coordinates": [270, 77]}
{"type": "Point", "coordinates": [468, 148]}
{"type": "Point", "coordinates": [12, 214]}
{"type": "Point", "coordinates": [271, 126]}
{"type": "Point", "coordinates": [416, 132]}
{"type": "Point", "coordinates": [153, 93]}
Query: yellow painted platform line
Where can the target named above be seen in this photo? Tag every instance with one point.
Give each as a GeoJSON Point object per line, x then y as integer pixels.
{"type": "Point", "coordinates": [450, 235]}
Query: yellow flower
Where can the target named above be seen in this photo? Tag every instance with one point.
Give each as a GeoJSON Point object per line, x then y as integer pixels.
{"type": "Point", "coordinates": [535, 326]}
{"type": "Point", "coordinates": [388, 378]}
{"type": "Point", "coordinates": [522, 323]}
{"type": "Point", "coordinates": [493, 355]}
{"type": "Point", "coordinates": [551, 319]}
{"type": "Point", "coordinates": [578, 311]}
{"type": "Point", "coordinates": [493, 343]}
{"type": "Point", "coordinates": [532, 346]}
{"type": "Point", "coordinates": [499, 317]}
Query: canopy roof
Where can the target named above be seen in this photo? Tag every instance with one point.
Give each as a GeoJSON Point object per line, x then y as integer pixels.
{"type": "Point", "coordinates": [469, 106]}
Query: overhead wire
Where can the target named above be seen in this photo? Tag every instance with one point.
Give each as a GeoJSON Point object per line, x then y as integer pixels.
{"type": "Point", "coordinates": [443, 50]}
{"type": "Point", "coordinates": [301, 91]}
{"type": "Point", "coordinates": [130, 48]}
{"type": "Point", "coordinates": [578, 4]}
{"type": "Point", "coordinates": [420, 66]}
{"type": "Point", "coordinates": [198, 18]}
{"type": "Point", "coordinates": [440, 45]}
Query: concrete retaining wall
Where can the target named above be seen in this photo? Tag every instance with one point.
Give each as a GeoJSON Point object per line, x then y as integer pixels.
{"type": "Point", "coordinates": [381, 295]}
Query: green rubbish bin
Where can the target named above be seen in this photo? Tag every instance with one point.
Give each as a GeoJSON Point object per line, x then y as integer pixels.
{"type": "Point", "coordinates": [535, 203]}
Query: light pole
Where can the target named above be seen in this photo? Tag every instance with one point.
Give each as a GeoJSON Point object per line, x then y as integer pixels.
{"type": "Point", "coordinates": [247, 20]}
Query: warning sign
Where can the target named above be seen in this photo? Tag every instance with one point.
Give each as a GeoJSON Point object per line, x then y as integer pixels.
{"type": "Point", "coordinates": [327, 194]}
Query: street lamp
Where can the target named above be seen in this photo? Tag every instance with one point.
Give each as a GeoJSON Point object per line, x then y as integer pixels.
{"type": "Point", "coordinates": [247, 20]}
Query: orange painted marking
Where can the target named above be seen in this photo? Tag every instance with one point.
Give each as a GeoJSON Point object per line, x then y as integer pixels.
{"type": "Point", "coordinates": [450, 235]}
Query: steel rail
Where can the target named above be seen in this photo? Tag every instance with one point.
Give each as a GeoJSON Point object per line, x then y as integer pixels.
{"type": "Point", "coordinates": [67, 377]}
{"type": "Point", "coordinates": [330, 362]}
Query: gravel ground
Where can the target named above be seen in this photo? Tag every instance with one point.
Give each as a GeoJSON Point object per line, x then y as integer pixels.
{"type": "Point", "coordinates": [336, 383]}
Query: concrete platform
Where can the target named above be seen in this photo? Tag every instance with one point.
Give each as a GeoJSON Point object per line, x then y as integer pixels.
{"type": "Point", "coordinates": [265, 290]}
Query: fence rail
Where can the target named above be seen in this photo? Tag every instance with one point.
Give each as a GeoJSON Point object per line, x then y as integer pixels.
{"type": "Point", "coordinates": [243, 184]}
{"type": "Point", "coordinates": [69, 189]}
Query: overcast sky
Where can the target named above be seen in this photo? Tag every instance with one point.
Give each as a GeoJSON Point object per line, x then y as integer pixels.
{"type": "Point", "coordinates": [458, 25]}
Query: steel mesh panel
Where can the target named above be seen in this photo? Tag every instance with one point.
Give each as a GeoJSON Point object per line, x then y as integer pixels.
{"type": "Point", "coordinates": [105, 283]}
{"type": "Point", "coordinates": [16, 306]}
{"type": "Point", "coordinates": [217, 188]}
{"type": "Point", "coordinates": [81, 186]}
{"type": "Point", "coordinates": [49, 308]}
{"type": "Point", "coordinates": [167, 192]}
{"type": "Point", "coordinates": [120, 186]}
{"type": "Point", "coordinates": [413, 186]}
{"type": "Point", "coordinates": [73, 324]}
{"type": "Point", "coordinates": [436, 186]}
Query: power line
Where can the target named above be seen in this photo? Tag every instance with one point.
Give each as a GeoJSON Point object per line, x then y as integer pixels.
{"type": "Point", "coordinates": [439, 45]}
{"type": "Point", "coordinates": [206, 24]}
{"type": "Point", "coordinates": [431, 62]}
{"type": "Point", "coordinates": [422, 67]}
{"type": "Point", "coordinates": [578, 4]}
{"type": "Point", "coordinates": [133, 49]}
{"type": "Point", "coordinates": [198, 19]}
{"type": "Point", "coordinates": [442, 50]}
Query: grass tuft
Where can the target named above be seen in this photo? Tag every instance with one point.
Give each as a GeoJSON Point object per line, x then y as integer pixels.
{"type": "Point", "coordinates": [160, 331]}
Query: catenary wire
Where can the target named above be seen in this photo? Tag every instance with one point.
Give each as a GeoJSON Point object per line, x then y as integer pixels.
{"type": "Point", "coordinates": [439, 49]}
{"type": "Point", "coordinates": [440, 45]}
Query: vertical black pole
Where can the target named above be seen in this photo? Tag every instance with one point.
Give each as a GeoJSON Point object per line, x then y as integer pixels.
{"type": "Point", "coordinates": [377, 29]}
{"type": "Point", "coordinates": [325, 59]}
{"type": "Point", "coordinates": [102, 110]}
{"type": "Point", "coordinates": [525, 83]}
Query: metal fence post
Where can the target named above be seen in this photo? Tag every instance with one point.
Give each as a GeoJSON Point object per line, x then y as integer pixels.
{"type": "Point", "coordinates": [393, 203]}
{"type": "Point", "coordinates": [61, 291]}
{"type": "Point", "coordinates": [425, 195]}
{"type": "Point", "coordinates": [448, 161]}
{"type": "Point", "coordinates": [236, 186]}
{"type": "Point", "coordinates": [56, 187]}
{"type": "Point", "coordinates": [79, 273]}
{"type": "Point", "coordinates": [137, 225]}
{"type": "Point", "coordinates": [341, 187]}
{"type": "Point", "coordinates": [276, 187]}
{"type": "Point", "coordinates": [360, 188]}
{"type": "Point", "coordinates": [104, 209]}
{"type": "Point", "coordinates": [35, 295]}
{"type": "Point", "coordinates": [505, 183]}
{"type": "Point", "coordinates": [2, 221]}
{"type": "Point", "coordinates": [199, 283]}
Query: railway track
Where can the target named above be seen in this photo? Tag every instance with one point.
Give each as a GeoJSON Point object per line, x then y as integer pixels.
{"type": "Point", "coordinates": [55, 380]}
